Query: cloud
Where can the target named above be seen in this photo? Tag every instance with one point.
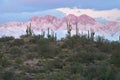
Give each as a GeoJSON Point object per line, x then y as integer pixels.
{"type": "Point", "coordinates": [110, 15]}
{"type": "Point", "coordinates": [99, 15]}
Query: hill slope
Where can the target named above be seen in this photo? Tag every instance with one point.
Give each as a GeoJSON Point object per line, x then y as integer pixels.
{"type": "Point", "coordinates": [74, 58]}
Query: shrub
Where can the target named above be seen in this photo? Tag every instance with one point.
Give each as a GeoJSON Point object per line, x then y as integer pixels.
{"type": "Point", "coordinates": [86, 57]}
{"type": "Point", "coordinates": [4, 61]}
{"type": "Point", "coordinates": [54, 64]}
{"type": "Point", "coordinates": [74, 68]}
{"type": "Point", "coordinates": [56, 76]}
{"type": "Point", "coordinates": [5, 39]}
{"type": "Point", "coordinates": [8, 75]}
{"type": "Point", "coordinates": [115, 58]}
{"type": "Point", "coordinates": [14, 51]}
{"type": "Point", "coordinates": [77, 77]}
{"type": "Point", "coordinates": [19, 60]}
{"type": "Point", "coordinates": [31, 55]}
{"type": "Point", "coordinates": [18, 42]}
{"type": "Point", "coordinates": [101, 71]}
{"type": "Point", "coordinates": [46, 49]}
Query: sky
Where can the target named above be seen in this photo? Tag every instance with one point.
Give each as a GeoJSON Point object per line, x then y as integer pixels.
{"type": "Point", "coordinates": [9, 8]}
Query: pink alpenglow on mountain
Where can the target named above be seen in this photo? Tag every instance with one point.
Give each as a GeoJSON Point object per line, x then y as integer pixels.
{"type": "Point", "coordinates": [84, 23]}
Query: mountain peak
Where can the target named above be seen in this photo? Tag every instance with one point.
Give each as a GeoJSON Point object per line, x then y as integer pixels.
{"type": "Point", "coordinates": [71, 15]}
{"type": "Point", "coordinates": [85, 19]}
{"type": "Point", "coordinates": [84, 15]}
{"type": "Point", "coordinates": [35, 18]}
{"type": "Point", "coordinates": [49, 17]}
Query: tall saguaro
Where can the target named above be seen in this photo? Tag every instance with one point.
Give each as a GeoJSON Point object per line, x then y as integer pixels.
{"type": "Point", "coordinates": [52, 33]}
{"type": "Point", "coordinates": [29, 30]}
{"type": "Point", "coordinates": [92, 34]}
{"type": "Point", "coordinates": [77, 29]}
{"type": "Point", "coordinates": [55, 36]}
{"type": "Point", "coordinates": [119, 38]}
{"type": "Point", "coordinates": [42, 33]}
{"type": "Point", "coordinates": [69, 28]}
{"type": "Point", "coordinates": [48, 35]}
{"type": "Point", "coordinates": [88, 34]}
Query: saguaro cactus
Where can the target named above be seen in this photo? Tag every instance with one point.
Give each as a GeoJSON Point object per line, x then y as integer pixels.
{"type": "Point", "coordinates": [52, 33]}
{"type": "Point", "coordinates": [119, 38]}
{"type": "Point", "coordinates": [77, 29]}
{"type": "Point", "coordinates": [88, 34]}
{"type": "Point", "coordinates": [55, 36]}
{"type": "Point", "coordinates": [42, 33]}
{"type": "Point", "coordinates": [69, 28]}
{"type": "Point", "coordinates": [48, 35]}
{"type": "Point", "coordinates": [29, 30]}
{"type": "Point", "coordinates": [92, 34]}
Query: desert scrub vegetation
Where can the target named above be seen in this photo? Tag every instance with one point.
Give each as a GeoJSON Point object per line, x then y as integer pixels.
{"type": "Point", "coordinates": [72, 58]}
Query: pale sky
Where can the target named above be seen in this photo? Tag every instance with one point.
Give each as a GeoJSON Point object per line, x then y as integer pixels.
{"type": "Point", "coordinates": [21, 6]}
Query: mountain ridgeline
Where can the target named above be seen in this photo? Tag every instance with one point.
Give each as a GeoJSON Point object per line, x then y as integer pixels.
{"type": "Point", "coordinates": [83, 22]}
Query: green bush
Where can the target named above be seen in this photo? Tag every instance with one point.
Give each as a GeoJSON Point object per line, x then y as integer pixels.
{"type": "Point", "coordinates": [101, 71]}
{"type": "Point", "coordinates": [115, 58]}
{"type": "Point", "coordinates": [15, 51]}
{"type": "Point", "coordinates": [56, 76]}
{"type": "Point", "coordinates": [86, 57]}
{"type": "Point", "coordinates": [77, 77]}
{"type": "Point", "coordinates": [18, 42]}
{"type": "Point", "coordinates": [46, 49]}
{"type": "Point", "coordinates": [54, 64]}
{"type": "Point", "coordinates": [8, 75]}
{"type": "Point", "coordinates": [74, 68]}
{"type": "Point", "coordinates": [6, 39]}
{"type": "Point", "coordinates": [19, 60]}
{"type": "Point", "coordinates": [4, 61]}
